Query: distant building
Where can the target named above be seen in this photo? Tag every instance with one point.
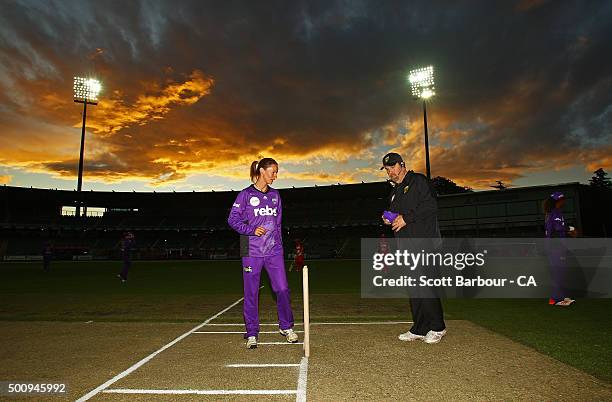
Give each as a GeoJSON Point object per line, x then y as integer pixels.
{"type": "Point", "coordinates": [330, 219]}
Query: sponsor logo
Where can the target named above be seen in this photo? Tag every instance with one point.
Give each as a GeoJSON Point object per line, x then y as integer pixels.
{"type": "Point", "coordinates": [236, 205]}
{"type": "Point", "coordinates": [265, 197]}
{"type": "Point", "coordinates": [247, 269]}
{"type": "Point", "coordinates": [254, 201]}
{"type": "Point", "coordinates": [406, 189]}
{"type": "Point", "coordinates": [266, 211]}
{"type": "Point", "coordinates": [274, 200]}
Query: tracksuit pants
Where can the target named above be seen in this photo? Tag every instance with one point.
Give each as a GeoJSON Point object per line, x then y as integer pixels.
{"type": "Point", "coordinates": [558, 271]}
{"type": "Point", "coordinates": [126, 268]}
{"type": "Point", "coordinates": [251, 275]}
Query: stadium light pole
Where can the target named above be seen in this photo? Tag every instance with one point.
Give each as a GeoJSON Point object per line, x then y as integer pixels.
{"type": "Point", "coordinates": [422, 84]}
{"type": "Point", "coordinates": [86, 91]}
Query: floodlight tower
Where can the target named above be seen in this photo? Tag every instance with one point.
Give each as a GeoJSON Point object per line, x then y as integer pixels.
{"type": "Point", "coordinates": [422, 83]}
{"type": "Point", "coordinates": [86, 91]}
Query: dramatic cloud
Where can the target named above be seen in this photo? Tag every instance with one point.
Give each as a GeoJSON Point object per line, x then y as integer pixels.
{"type": "Point", "coordinates": [113, 114]}
{"type": "Point", "coordinates": [200, 89]}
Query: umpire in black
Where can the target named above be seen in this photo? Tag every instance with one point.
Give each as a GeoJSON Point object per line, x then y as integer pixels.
{"type": "Point", "coordinates": [414, 198]}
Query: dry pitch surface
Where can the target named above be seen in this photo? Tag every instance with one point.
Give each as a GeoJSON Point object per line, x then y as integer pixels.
{"type": "Point", "coordinates": [356, 362]}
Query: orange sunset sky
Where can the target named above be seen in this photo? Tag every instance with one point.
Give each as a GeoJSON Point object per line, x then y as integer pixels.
{"type": "Point", "coordinates": [194, 91]}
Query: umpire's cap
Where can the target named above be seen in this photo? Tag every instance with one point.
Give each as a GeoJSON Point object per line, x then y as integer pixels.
{"type": "Point", "coordinates": [391, 159]}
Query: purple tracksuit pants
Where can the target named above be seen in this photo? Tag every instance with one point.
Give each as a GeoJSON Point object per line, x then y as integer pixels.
{"type": "Point", "coordinates": [558, 270]}
{"type": "Point", "coordinates": [251, 274]}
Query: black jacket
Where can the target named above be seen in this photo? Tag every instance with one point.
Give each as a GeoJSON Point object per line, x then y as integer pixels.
{"type": "Point", "coordinates": [415, 199]}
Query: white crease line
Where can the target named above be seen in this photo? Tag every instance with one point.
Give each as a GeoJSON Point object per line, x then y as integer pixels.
{"type": "Point", "coordinates": [262, 365]}
{"type": "Point", "coordinates": [239, 332]}
{"type": "Point", "coordinates": [280, 343]}
{"type": "Point", "coordinates": [324, 323]}
{"type": "Point", "coordinates": [242, 324]}
{"type": "Point", "coordinates": [202, 391]}
{"type": "Point", "coordinates": [302, 381]}
{"type": "Point", "coordinates": [152, 355]}
{"type": "Point", "coordinates": [362, 323]}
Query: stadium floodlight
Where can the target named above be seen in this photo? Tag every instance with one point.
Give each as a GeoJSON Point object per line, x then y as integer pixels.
{"type": "Point", "coordinates": [86, 91]}
{"type": "Point", "coordinates": [422, 84]}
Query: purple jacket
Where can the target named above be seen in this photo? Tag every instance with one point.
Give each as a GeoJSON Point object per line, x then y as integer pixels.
{"type": "Point", "coordinates": [252, 209]}
{"type": "Point", "coordinates": [554, 224]}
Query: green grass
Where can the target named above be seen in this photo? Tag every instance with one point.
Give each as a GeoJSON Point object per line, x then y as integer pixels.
{"type": "Point", "coordinates": [179, 290]}
{"type": "Point", "coordinates": [578, 335]}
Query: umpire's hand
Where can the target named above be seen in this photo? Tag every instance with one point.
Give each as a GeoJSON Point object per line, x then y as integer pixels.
{"type": "Point", "coordinates": [398, 223]}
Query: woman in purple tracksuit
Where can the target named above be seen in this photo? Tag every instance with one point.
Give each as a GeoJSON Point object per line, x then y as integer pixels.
{"type": "Point", "coordinates": [256, 215]}
{"type": "Point", "coordinates": [554, 226]}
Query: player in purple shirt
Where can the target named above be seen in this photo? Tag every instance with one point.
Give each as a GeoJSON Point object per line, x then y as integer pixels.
{"type": "Point", "coordinates": [127, 243]}
{"type": "Point", "coordinates": [554, 226]}
{"type": "Point", "coordinates": [256, 215]}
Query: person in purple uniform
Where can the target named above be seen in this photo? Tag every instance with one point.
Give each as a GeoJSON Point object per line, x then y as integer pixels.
{"type": "Point", "coordinates": [47, 256]}
{"type": "Point", "coordinates": [127, 242]}
{"type": "Point", "coordinates": [256, 215]}
{"type": "Point", "coordinates": [554, 226]}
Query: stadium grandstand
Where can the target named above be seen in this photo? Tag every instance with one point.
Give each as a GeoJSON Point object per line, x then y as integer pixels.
{"type": "Point", "coordinates": [330, 220]}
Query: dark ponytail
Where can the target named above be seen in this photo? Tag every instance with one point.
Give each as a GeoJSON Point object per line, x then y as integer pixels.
{"type": "Point", "coordinates": [254, 171]}
{"type": "Point", "coordinates": [262, 164]}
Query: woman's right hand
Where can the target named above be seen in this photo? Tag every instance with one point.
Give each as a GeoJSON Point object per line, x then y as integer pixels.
{"type": "Point", "coordinates": [260, 231]}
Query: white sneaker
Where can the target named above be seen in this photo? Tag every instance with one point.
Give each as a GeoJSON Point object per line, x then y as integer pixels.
{"type": "Point", "coordinates": [251, 342]}
{"type": "Point", "coordinates": [409, 337]}
{"type": "Point", "coordinates": [291, 336]}
{"type": "Point", "coordinates": [434, 336]}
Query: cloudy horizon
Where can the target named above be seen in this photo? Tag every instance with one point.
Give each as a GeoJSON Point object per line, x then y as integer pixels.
{"type": "Point", "coordinates": [194, 91]}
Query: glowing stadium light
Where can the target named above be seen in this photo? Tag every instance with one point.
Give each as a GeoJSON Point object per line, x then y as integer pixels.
{"type": "Point", "coordinates": [426, 94]}
{"type": "Point", "coordinates": [422, 82]}
{"type": "Point", "coordinates": [86, 91]}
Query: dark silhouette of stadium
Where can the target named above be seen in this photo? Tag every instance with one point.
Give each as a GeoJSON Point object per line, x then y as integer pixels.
{"type": "Point", "coordinates": [330, 219]}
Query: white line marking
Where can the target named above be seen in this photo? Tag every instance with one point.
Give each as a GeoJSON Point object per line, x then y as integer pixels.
{"type": "Point", "coordinates": [242, 324]}
{"type": "Point", "coordinates": [152, 355]}
{"type": "Point", "coordinates": [202, 391]}
{"type": "Point", "coordinates": [239, 332]}
{"type": "Point", "coordinates": [302, 380]}
{"type": "Point", "coordinates": [280, 343]}
{"type": "Point", "coordinates": [262, 365]}
{"type": "Point", "coordinates": [324, 323]}
{"type": "Point", "coordinates": [363, 323]}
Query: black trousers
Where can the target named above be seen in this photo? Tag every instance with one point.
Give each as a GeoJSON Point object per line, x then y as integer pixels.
{"type": "Point", "coordinates": [425, 303]}
{"type": "Point", "coordinates": [427, 315]}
